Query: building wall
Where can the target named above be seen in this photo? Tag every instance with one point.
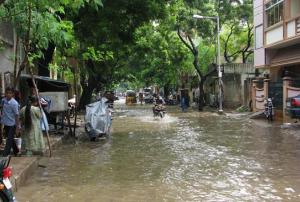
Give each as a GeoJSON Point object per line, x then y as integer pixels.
{"type": "Point", "coordinates": [237, 85]}
{"type": "Point", "coordinates": [232, 90]}
{"type": "Point", "coordinates": [295, 8]}
{"type": "Point", "coordinates": [284, 33]}
{"type": "Point", "coordinates": [6, 55]}
{"type": "Point", "coordinates": [237, 79]}
{"type": "Point", "coordinates": [6, 59]}
{"type": "Point", "coordinates": [259, 50]}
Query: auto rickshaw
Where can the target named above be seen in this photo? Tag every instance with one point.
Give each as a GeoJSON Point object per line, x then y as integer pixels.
{"type": "Point", "coordinates": [130, 97]}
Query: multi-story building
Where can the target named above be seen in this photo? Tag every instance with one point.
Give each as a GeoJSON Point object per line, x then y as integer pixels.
{"type": "Point", "coordinates": [277, 49]}
{"type": "Point", "coordinates": [277, 36]}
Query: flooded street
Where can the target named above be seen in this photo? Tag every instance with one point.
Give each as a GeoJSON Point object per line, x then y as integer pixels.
{"type": "Point", "coordinates": [188, 156]}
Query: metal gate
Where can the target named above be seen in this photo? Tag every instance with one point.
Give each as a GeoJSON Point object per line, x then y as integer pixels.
{"type": "Point", "coordinates": [276, 92]}
{"type": "Point", "coordinates": [296, 83]}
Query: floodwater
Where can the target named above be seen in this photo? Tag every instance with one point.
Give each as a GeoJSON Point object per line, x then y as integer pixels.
{"type": "Point", "coordinates": [188, 156]}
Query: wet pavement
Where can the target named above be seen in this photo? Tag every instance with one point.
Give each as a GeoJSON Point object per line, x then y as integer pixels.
{"type": "Point", "coordinates": [188, 156]}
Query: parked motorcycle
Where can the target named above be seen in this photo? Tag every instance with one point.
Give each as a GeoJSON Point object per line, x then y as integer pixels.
{"type": "Point", "coordinates": [6, 193]}
{"type": "Point", "coordinates": [269, 109]}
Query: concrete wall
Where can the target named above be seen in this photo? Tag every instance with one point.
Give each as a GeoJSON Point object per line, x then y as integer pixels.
{"type": "Point", "coordinates": [258, 15]}
{"type": "Point", "coordinates": [237, 85]}
{"type": "Point", "coordinates": [6, 65]}
{"type": "Point", "coordinates": [6, 59]}
{"type": "Point", "coordinates": [7, 52]}
{"type": "Point", "coordinates": [295, 8]}
{"type": "Point", "coordinates": [274, 35]}
{"type": "Point", "coordinates": [6, 55]}
{"type": "Point", "coordinates": [258, 7]}
{"type": "Point", "coordinates": [232, 90]}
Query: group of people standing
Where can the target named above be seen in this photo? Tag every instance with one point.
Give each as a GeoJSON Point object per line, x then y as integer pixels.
{"type": "Point", "coordinates": [24, 123]}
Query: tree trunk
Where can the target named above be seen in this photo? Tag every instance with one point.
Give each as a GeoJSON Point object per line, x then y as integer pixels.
{"type": "Point", "coordinates": [43, 63]}
{"type": "Point", "coordinates": [201, 95]}
{"type": "Point", "coordinates": [166, 90]}
{"type": "Point", "coordinates": [244, 57]}
{"type": "Point", "coordinates": [87, 92]}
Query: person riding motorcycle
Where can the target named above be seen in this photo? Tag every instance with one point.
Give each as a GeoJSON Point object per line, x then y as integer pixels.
{"type": "Point", "coordinates": [158, 106]}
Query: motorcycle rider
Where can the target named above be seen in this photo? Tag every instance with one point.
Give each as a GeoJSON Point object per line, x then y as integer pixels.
{"type": "Point", "coordinates": [159, 103]}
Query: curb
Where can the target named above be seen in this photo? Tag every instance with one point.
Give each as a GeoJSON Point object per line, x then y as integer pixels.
{"type": "Point", "coordinates": [23, 167]}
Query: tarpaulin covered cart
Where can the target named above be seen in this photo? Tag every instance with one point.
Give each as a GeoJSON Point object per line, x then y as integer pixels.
{"type": "Point", "coordinates": [98, 119]}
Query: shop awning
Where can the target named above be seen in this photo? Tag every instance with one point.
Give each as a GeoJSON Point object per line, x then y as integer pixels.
{"type": "Point", "coordinates": [46, 84]}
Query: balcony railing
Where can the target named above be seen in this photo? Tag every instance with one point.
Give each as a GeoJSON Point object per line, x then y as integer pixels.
{"type": "Point", "coordinates": [298, 26]}
{"type": "Point", "coordinates": [293, 27]}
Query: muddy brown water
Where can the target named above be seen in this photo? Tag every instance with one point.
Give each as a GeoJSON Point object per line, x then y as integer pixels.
{"type": "Point", "coordinates": [188, 156]}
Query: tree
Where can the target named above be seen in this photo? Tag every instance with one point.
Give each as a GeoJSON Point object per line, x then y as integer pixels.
{"type": "Point", "coordinates": [110, 31]}
{"type": "Point", "coordinates": [238, 40]}
{"type": "Point", "coordinates": [237, 36]}
{"type": "Point", "coordinates": [158, 55]}
{"type": "Point", "coordinates": [40, 28]}
{"type": "Point", "coordinates": [189, 30]}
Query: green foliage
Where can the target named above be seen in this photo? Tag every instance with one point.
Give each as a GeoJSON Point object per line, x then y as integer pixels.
{"type": "Point", "coordinates": [236, 15]}
{"type": "Point", "coordinates": [237, 34]}
{"type": "Point", "coordinates": [97, 55]}
{"type": "Point", "coordinates": [135, 41]}
{"type": "Point", "coordinates": [207, 54]}
{"type": "Point", "coordinates": [158, 54]}
{"type": "Point", "coordinates": [44, 20]}
{"type": "Point", "coordinates": [242, 109]}
{"type": "Point", "coordinates": [107, 36]}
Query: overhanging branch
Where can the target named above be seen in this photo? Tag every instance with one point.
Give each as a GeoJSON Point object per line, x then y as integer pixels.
{"type": "Point", "coordinates": [183, 41]}
{"type": "Point", "coordinates": [192, 43]}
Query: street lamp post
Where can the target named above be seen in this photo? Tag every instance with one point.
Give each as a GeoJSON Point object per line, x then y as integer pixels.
{"type": "Point", "coordinates": [219, 56]}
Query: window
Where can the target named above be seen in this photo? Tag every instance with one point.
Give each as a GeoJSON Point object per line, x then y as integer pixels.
{"type": "Point", "coordinates": [274, 12]}
{"type": "Point", "coordinates": [295, 8]}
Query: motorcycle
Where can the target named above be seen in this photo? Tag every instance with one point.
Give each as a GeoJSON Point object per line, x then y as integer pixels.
{"type": "Point", "coordinates": [269, 109]}
{"type": "Point", "coordinates": [6, 193]}
{"type": "Point", "coordinates": [159, 110]}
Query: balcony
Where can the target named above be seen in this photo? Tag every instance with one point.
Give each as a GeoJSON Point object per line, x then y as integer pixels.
{"type": "Point", "coordinates": [293, 27]}
{"type": "Point", "coordinates": [283, 34]}
{"type": "Point", "coordinates": [274, 34]}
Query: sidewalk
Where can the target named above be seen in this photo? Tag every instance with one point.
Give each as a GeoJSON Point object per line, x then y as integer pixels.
{"type": "Point", "coordinates": [23, 167]}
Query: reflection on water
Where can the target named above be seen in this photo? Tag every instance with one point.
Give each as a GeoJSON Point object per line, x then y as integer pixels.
{"type": "Point", "coordinates": [183, 157]}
